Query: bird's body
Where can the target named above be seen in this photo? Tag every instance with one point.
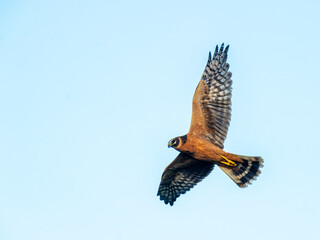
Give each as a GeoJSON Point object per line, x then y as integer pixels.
{"type": "Point", "coordinates": [202, 147]}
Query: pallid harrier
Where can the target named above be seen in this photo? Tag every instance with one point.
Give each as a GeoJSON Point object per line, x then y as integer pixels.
{"type": "Point", "coordinates": [201, 148]}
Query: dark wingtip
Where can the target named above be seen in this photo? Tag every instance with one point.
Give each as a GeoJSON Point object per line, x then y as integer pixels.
{"type": "Point", "coordinates": [221, 49]}
{"type": "Point", "coordinates": [220, 52]}
{"type": "Point", "coordinates": [209, 57]}
{"type": "Point", "coordinates": [227, 49]}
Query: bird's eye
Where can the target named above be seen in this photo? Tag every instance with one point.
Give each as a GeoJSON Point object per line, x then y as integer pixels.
{"type": "Point", "coordinates": [174, 142]}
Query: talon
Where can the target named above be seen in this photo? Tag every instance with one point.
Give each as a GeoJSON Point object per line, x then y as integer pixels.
{"type": "Point", "coordinates": [228, 162]}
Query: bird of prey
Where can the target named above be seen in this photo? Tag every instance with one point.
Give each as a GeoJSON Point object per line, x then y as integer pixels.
{"type": "Point", "coordinates": [202, 147]}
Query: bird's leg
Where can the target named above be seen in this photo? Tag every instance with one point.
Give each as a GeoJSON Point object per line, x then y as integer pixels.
{"type": "Point", "coordinates": [228, 162]}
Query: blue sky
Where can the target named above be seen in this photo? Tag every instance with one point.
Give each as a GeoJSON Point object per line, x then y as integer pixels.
{"type": "Point", "coordinates": [92, 91]}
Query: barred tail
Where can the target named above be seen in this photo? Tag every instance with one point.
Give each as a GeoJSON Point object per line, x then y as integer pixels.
{"type": "Point", "coordinates": [244, 172]}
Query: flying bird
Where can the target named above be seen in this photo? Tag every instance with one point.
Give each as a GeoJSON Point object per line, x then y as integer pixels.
{"type": "Point", "coordinates": [202, 147]}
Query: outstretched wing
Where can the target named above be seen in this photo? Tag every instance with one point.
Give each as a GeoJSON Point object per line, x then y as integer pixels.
{"type": "Point", "coordinates": [182, 175]}
{"type": "Point", "coordinates": [211, 109]}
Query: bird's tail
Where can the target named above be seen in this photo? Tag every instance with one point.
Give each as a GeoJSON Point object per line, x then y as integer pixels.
{"type": "Point", "coordinates": [245, 172]}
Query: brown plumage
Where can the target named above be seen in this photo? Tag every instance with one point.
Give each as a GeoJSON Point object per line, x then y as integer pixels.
{"type": "Point", "coordinates": [202, 147]}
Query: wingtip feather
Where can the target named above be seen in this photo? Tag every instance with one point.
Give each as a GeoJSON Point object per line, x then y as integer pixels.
{"type": "Point", "coordinates": [209, 57]}
{"type": "Point", "coordinates": [221, 49]}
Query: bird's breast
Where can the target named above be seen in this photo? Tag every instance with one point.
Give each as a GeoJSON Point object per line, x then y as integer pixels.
{"type": "Point", "coordinates": [201, 149]}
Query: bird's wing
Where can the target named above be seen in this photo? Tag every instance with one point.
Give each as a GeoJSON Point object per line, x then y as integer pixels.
{"type": "Point", "coordinates": [211, 108]}
{"type": "Point", "coordinates": [181, 175]}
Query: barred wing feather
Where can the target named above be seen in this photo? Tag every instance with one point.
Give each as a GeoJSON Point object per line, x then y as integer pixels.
{"type": "Point", "coordinates": [212, 99]}
{"type": "Point", "coordinates": [181, 175]}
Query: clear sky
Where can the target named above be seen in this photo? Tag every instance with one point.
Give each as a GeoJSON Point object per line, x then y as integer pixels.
{"type": "Point", "coordinates": [92, 91]}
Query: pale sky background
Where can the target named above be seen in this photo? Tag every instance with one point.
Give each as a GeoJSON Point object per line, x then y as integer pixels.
{"type": "Point", "coordinates": [92, 91]}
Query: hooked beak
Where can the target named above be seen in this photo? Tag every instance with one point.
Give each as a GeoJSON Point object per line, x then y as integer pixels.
{"type": "Point", "coordinates": [169, 144]}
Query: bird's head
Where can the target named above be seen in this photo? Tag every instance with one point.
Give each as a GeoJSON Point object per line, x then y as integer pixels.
{"type": "Point", "coordinates": [177, 142]}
